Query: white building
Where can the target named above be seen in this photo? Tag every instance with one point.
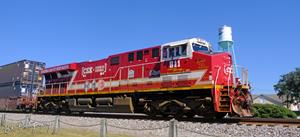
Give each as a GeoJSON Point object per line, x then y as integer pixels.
{"type": "Point", "coordinates": [273, 99]}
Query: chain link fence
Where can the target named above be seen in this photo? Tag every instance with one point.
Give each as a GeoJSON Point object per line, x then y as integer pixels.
{"type": "Point", "coordinates": [9, 125]}
{"type": "Point", "coordinates": [171, 129]}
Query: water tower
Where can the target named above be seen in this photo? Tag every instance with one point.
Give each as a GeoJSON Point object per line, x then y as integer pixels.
{"type": "Point", "coordinates": [226, 44]}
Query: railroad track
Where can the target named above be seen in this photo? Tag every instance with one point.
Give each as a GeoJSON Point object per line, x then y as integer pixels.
{"type": "Point", "coordinates": [230, 120]}
{"type": "Point", "coordinates": [270, 122]}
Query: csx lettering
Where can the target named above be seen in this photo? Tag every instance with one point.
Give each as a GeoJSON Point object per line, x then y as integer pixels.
{"type": "Point", "coordinates": [228, 70]}
{"type": "Point", "coordinates": [101, 69]}
{"type": "Point", "coordinates": [85, 71]}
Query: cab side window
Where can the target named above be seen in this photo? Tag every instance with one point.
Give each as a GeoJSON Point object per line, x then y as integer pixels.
{"type": "Point", "coordinates": [172, 51]}
{"type": "Point", "coordinates": [175, 51]}
{"type": "Point", "coordinates": [115, 61]}
{"type": "Point", "coordinates": [146, 52]}
{"type": "Point", "coordinates": [155, 52]}
{"type": "Point", "coordinates": [165, 52]}
{"type": "Point", "coordinates": [183, 49]}
{"type": "Point", "coordinates": [139, 55]}
{"type": "Point", "coordinates": [130, 56]}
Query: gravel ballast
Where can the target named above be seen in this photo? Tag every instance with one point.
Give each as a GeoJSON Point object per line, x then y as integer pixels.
{"type": "Point", "coordinates": [150, 128]}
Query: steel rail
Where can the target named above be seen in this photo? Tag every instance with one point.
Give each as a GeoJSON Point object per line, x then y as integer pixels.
{"type": "Point", "coordinates": [270, 121]}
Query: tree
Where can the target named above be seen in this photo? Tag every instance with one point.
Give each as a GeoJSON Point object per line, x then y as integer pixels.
{"type": "Point", "coordinates": [288, 87]}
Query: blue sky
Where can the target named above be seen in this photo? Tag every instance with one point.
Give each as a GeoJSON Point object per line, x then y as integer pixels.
{"type": "Point", "coordinates": [266, 33]}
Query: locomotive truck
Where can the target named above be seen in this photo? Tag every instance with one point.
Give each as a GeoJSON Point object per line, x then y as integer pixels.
{"type": "Point", "coordinates": [181, 78]}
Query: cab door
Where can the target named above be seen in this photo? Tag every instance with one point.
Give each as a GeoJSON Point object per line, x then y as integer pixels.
{"type": "Point", "coordinates": [175, 65]}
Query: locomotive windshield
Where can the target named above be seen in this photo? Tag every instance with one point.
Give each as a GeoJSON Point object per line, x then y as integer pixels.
{"type": "Point", "coordinates": [201, 48]}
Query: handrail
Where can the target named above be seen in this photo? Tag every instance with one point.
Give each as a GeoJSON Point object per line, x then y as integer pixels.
{"type": "Point", "coordinates": [228, 78]}
{"type": "Point", "coordinates": [244, 75]}
{"type": "Point", "coordinates": [217, 76]}
{"type": "Point", "coordinates": [59, 89]}
{"type": "Point", "coordinates": [117, 72]}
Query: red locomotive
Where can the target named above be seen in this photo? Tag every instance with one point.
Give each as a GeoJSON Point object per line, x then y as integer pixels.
{"type": "Point", "coordinates": [179, 78]}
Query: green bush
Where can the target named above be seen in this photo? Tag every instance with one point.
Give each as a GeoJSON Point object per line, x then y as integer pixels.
{"type": "Point", "coordinates": [272, 111]}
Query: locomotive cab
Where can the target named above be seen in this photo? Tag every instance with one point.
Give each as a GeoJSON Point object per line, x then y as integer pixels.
{"type": "Point", "coordinates": [184, 49]}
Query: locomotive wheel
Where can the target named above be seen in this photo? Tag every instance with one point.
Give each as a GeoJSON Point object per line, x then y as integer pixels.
{"type": "Point", "coordinates": [176, 111]}
{"type": "Point", "coordinates": [205, 110]}
{"type": "Point", "coordinates": [51, 107]}
{"type": "Point", "coordinates": [64, 107]}
{"type": "Point", "coordinates": [67, 111]}
{"type": "Point", "coordinates": [190, 114]}
{"type": "Point", "coordinates": [220, 115]}
{"type": "Point", "coordinates": [150, 110]}
{"type": "Point", "coordinates": [164, 115]}
{"type": "Point", "coordinates": [173, 109]}
{"type": "Point", "coordinates": [179, 114]}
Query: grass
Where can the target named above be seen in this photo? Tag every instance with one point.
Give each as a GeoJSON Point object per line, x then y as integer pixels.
{"type": "Point", "coordinates": [44, 132]}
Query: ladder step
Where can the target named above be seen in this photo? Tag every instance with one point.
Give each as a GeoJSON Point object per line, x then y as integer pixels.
{"type": "Point", "coordinates": [224, 109]}
{"type": "Point", "coordinates": [224, 95]}
{"type": "Point", "coordinates": [224, 106]}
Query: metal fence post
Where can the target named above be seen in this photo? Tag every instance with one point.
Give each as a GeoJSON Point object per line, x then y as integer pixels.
{"type": "Point", "coordinates": [58, 122]}
{"type": "Point", "coordinates": [56, 125]}
{"type": "Point", "coordinates": [103, 128]}
{"type": "Point", "coordinates": [27, 120]}
{"type": "Point", "coordinates": [3, 120]}
{"type": "Point", "coordinates": [173, 128]}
